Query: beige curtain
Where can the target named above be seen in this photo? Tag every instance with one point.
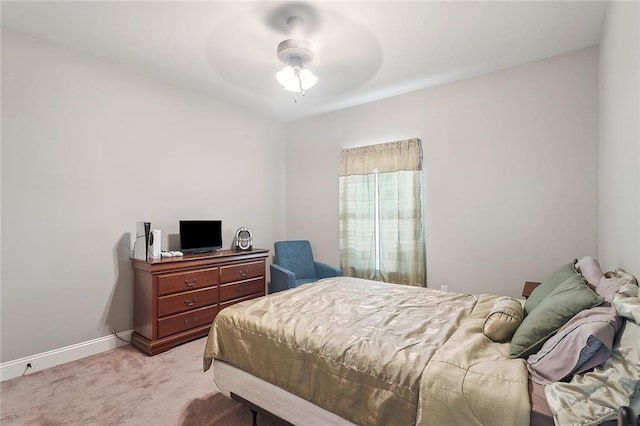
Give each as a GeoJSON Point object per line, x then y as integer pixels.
{"type": "Point", "coordinates": [381, 223]}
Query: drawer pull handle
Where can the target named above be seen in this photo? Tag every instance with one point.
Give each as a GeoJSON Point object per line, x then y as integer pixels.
{"type": "Point", "coordinates": [241, 289]}
{"type": "Point", "coordinates": [243, 273]}
{"type": "Point", "coordinates": [187, 321]}
{"type": "Point", "coordinates": [191, 302]}
{"type": "Point", "coordinates": [191, 283]}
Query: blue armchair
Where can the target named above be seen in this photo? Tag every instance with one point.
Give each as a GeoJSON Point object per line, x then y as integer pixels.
{"type": "Point", "coordinates": [293, 265]}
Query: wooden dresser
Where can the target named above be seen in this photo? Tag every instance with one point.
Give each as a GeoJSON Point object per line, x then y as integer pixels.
{"type": "Point", "coordinates": [176, 298]}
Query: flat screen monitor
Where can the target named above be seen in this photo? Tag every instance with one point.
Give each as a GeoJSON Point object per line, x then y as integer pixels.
{"type": "Point", "coordinates": [200, 236]}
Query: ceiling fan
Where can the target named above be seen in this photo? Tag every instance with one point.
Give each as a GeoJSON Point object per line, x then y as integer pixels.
{"type": "Point", "coordinates": [295, 47]}
{"type": "Point", "coordinates": [299, 60]}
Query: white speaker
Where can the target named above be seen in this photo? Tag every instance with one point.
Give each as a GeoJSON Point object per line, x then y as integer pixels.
{"type": "Point", "coordinates": [243, 240]}
{"type": "Point", "coordinates": [155, 242]}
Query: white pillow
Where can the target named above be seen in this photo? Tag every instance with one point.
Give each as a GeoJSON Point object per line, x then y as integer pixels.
{"type": "Point", "coordinates": [590, 270]}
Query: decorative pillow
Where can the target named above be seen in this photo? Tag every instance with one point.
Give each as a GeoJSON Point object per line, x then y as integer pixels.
{"type": "Point", "coordinates": [503, 319]}
{"type": "Point", "coordinates": [581, 344]}
{"type": "Point", "coordinates": [566, 300]}
{"type": "Point", "coordinates": [548, 285]}
{"type": "Point", "coordinates": [609, 285]}
{"type": "Point", "coordinates": [590, 270]}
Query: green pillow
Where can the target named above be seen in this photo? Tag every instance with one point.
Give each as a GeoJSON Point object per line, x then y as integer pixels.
{"type": "Point", "coordinates": [566, 300]}
{"type": "Point", "coordinates": [548, 285]}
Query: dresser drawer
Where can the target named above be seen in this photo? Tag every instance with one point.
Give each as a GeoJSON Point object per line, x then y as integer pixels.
{"type": "Point", "coordinates": [188, 280]}
{"type": "Point", "coordinates": [241, 289]}
{"type": "Point", "coordinates": [181, 322]}
{"type": "Point", "coordinates": [187, 301]}
{"type": "Point", "coordinates": [243, 271]}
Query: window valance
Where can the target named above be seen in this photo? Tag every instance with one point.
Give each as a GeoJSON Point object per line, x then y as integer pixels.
{"type": "Point", "coordinates": [382, 158]}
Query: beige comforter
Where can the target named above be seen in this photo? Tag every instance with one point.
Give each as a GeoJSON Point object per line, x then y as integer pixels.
{"type": "Point", "coordinates": [362, 349]}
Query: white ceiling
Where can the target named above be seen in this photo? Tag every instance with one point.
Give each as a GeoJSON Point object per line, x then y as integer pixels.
{"type": "Point", "coordinates": [368, 49]}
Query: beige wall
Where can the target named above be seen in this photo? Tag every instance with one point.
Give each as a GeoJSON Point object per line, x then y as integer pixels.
{"type": "Point", "coordinates": [620, 138]}
{"type": "Point", "coordinates": [510, 171]}
{"type": "Point", "coordinates": [88, 150]}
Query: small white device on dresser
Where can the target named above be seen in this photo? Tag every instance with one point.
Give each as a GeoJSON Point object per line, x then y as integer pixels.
{"type": "Point", "coordinates": [155, 241]}
{"type": "Point", "coordinates": [141, 243]}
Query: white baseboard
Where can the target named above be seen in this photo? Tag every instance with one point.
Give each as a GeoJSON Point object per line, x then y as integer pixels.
{"type": "Point", "coordinates": [18, 367]}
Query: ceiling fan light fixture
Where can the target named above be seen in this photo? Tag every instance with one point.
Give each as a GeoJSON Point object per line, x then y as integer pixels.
{"type": "Point", "coordinates": [294, 79]}
{"type": "Point", "coordinates": [299, 60]}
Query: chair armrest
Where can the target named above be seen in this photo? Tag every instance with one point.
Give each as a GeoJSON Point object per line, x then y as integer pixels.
{"type": "Point", "coordinates": [281, 279]}
{"type": "Point", "coordinates": [327, 271]}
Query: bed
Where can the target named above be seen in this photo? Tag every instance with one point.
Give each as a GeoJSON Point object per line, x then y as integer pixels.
{"type": "Point", "coordinates": [350, 351]}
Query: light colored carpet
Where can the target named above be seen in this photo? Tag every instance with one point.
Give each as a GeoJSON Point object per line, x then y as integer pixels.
{"type": "Point", "coordinates": [124, 387]}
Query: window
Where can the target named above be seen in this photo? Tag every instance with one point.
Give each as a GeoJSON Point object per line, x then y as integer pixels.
{"type": "Point", "coordinates": [381, 223]}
